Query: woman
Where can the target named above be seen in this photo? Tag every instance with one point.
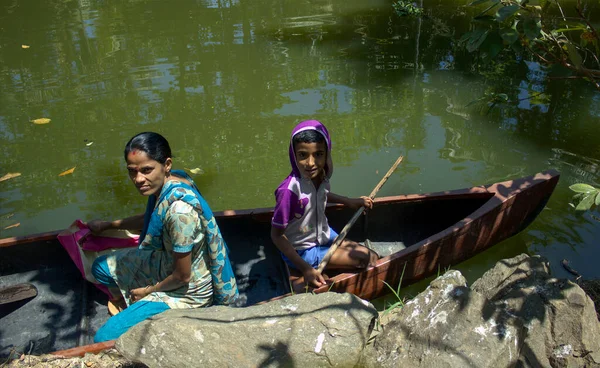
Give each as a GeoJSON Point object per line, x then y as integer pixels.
{"type": "Point", "coordinates": [181, 261]}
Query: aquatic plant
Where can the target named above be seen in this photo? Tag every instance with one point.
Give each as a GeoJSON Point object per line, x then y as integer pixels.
{"type": "Point", "coordinates": [407, 8]}
{"type": "Point", "coordinates": [587, 196]}
{"type": "Point", "coordinates": [570, 42]}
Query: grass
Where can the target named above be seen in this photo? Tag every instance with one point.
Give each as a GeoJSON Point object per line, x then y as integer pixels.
{"type": "Point", "coordinates": [399, 303]}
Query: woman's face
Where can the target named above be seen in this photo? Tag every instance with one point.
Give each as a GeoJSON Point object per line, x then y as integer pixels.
{"type": "Point", "coordinates": [147, 175]}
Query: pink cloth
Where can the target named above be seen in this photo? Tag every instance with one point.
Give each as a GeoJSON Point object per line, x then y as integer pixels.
{"type": "Point", "coordinates": [84, 247]}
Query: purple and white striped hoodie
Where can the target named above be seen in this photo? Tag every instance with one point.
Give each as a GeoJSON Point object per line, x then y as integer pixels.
{"type": "Point", "coordinates": [300, 207]}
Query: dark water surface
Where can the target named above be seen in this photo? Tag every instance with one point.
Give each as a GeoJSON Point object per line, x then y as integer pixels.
{"type": "Point", "coordinates": [225, 82]}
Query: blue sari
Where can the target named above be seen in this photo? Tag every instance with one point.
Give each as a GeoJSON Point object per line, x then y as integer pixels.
{"type": "Point", "coordinates": [212, 280]}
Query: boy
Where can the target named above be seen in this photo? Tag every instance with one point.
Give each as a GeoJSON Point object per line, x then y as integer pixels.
{"type": "Point", "coordinates": [299, 227]}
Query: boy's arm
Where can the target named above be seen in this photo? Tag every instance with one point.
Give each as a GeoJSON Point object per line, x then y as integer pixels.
{"type": "Point", "coordinates": [311, 276]}
{"type": "Point", "coordinates": [355, 203]}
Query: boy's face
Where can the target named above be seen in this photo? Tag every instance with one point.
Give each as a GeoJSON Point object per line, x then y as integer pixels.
{"type": "Point", "coordinates": [311, 158]}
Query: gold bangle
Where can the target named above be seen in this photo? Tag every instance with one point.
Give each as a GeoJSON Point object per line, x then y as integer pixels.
{"type": "Point", "coordinates": [149, 286]}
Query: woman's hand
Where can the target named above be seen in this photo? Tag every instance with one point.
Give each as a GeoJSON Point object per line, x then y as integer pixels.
{"type": "Point", "coordinates": [313, 277]}
{"type": "Point", "coordinates": [139, 293]}
{"type": "Point", "coordinates": [363, 201]}
{"type": "Point", "coordinates": [98, 226]}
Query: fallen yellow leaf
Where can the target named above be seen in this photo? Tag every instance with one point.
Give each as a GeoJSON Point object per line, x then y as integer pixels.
{"type": "Point", "coordinates": [10, 176]}
{"type": "Point", "coordinates": [195, 171]}
{"type": "Point", "coordinates": [13, 225]}
{"type": "Point", "coordinates": [40, 121]}
{"type": "Point", "coordinates": [25, 46]}
{"type": "Point", "coordinates": [70, 171]}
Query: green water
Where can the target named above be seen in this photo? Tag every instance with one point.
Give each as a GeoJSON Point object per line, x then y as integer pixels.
{"type": "Point", "coordinates": [225, 82]}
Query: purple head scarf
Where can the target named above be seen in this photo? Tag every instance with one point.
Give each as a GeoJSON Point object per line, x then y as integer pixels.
{"type": "Point", "coordinates": [311, 125]}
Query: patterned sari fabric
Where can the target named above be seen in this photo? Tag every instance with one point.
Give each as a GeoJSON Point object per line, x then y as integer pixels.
{"type": "Point", "coordinates": [179, 221]}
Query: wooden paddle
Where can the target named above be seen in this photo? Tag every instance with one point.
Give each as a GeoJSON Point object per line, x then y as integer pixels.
{"type": "Point", "coordinates": [15, 293]}
{"type": "Point", "coordinates": [342, 235]}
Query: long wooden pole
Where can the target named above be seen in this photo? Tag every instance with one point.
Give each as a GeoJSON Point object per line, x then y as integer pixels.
{"type": "Point", "coordinates": [342, 235]}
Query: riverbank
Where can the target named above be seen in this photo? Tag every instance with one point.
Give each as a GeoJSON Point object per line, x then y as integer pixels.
{"type": "Point", "coordinates": [516, 313]}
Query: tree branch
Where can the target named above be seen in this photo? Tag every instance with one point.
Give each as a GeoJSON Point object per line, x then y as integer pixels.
{"type": "Point", "coordinates": [580, 12]}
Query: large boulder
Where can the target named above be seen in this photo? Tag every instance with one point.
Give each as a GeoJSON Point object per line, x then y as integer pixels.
{"type": "Point", "coordinates": [516, 314]}
{"type": "Point", "coordinates": [302, 330]}
{"type": "Point", "coordinates": [561, 325]}
{"type": "Point", "coordinates": [444, 327]}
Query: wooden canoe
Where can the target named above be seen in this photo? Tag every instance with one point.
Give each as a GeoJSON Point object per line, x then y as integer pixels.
{"type": "Point", "coordinates": [436, 230]}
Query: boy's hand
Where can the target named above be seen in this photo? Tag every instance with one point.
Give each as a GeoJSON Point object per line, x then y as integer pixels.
{"type": "Point", "coordinates": [313, 278]}
{"type": "Point", "coordinates": [363, 201]}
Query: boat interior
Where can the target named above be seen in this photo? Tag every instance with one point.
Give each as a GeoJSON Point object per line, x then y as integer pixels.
{"type": "Point", "coordinates": [68, 310]}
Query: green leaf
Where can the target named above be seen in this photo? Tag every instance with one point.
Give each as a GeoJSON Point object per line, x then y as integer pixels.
{"type": "Point", "coordinates": [506, 12]}
{"type": "Point", "coordinates": [477, 37]}
{"type": "Point", "coordinates": [509, 35]}
{"type": "Point", "coordinates": [485, 19]}
{"type": "Point", "coordinates": [574, 55]}
{"type": "Point", "coordinates": [586, 203]}
{"type": "Point", "coordinates": [598, 199]}
{"type": "Point", "coordinates": [517, 47]}
{"type": "Point", "coordinates": [532, 27]}
{"type": "Point", "coordinates": [492, 45]}
{"type": "Point", "coordinates": [544, 3]}
{"type": "Point", "coordinates": [503, 96]}
{"type": "Point", "coordinates": [465, 37]}
{"type": "Point", "coordinates": [582, 188]}
{"type": "Point", "coordinates": [495, 3]}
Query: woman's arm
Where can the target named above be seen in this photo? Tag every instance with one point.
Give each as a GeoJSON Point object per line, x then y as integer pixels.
{"type": "Point", "coordinates": [183, 227]}
{"type": "Point", "coordinates": [311, 276]}
{"type": "Point", "coordinates": [363, 201]}
{"type": "Point", "coordinates": [130, 223]}
{"type": "Point", "coordinates": [181, 275]}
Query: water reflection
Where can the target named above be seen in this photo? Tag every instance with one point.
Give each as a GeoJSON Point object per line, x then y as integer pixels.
{"type": "Point", "coordinates": [226, 80]}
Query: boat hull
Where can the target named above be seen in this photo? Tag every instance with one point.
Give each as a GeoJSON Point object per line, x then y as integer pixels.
{"type": "Point", "coordinates": [512, 206]}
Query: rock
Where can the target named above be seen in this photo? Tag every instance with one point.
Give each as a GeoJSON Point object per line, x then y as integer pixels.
{"type": "Point", "coordinates": [561, 325]}
{"type": "Point", "coordinates": [516, 314]}
{"type": "Point", "coordinates": [444, 327]}
{"type": "Point", "coordinates": [592, 289]}
{"type": "Point", "coordinates": [303, 330]}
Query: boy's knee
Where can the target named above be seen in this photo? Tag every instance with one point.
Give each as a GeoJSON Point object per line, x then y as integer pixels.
{"type": "Point", "coordinates": [365, 257]}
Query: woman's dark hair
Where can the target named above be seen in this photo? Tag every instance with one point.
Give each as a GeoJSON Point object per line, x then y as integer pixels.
{"type": "Point", "coordinates": [153, 144]}
{"type": "Point", "coordinates": [308, 136]}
